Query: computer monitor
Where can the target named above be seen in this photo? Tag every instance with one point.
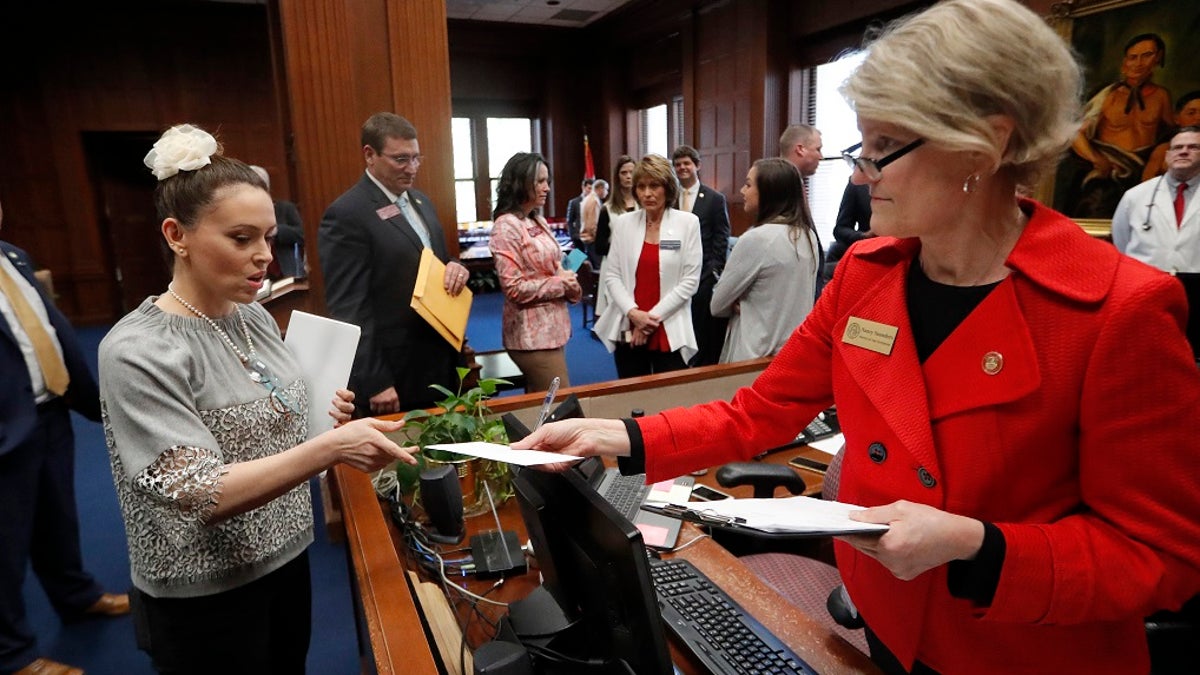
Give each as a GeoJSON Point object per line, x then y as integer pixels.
{"type": "Point", "coordinates": [570, 407]}
{"type": "Point", "coordinates": [594, 566]}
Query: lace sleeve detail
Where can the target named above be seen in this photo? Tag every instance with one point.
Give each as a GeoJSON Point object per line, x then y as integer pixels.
{"type": "Point", "coordinates": [187, 477]}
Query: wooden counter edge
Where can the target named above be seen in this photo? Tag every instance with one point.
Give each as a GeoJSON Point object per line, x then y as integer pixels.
{"type": "Point", "coordinates": [628, 384]}
{"type": "Point", "coordinates": [393, 621]}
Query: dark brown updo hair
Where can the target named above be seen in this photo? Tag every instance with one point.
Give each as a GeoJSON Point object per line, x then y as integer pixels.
{"type": "Point", "coordinates": [188, 194]}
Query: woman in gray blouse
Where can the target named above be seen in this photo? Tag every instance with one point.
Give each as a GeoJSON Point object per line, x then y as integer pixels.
{"type": "Point", "coordinates": [205, 415]}
{"type": "Point", "coordinates": [769, 280]}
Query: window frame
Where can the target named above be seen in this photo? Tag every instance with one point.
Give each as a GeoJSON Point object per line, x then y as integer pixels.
{"type": "Point", "coordinates": [477, 117]}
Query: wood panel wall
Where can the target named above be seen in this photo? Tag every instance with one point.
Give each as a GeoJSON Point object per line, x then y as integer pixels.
{"type": "Point", "coordinates": [90, 70]}
{"type": "Point", "coordinates": [547, 72]}
{"type": "Point", "coordinates": [348, 59]}
{"type": "Point", "coordinates": [288, 84]}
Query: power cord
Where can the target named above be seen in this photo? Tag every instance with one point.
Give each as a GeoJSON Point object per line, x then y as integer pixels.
{"type": "Point", "coordinates": [462, 650]}
{"type": "Point", "coordinates": [689, 542]}
{"type": "Point", "coordinates": [559, 657]}
{"type": "Point", "coordinates": [426, 552]}
{"type": "Point", "coordinates": [385, 483]}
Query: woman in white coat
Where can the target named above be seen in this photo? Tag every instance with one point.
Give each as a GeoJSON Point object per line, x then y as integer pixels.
{"type": "Point", "coordinates": [767, 286]}
{"type": "Point", "coordinates": [652, 271]}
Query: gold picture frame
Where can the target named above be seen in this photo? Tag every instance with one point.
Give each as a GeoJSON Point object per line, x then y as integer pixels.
{"type": "Point", "coordinates": [1098, 31]}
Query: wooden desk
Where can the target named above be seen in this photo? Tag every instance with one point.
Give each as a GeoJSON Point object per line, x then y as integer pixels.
{"type": "Point", "coordinates": [385, 603]}
{"type": "Point", "coordinates": [281, 302]}
{"type": "Point", "coordinates": [389, 616]}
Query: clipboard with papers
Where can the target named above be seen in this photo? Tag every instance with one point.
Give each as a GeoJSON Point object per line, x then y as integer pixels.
{"type": "Point", "coordinates": [787, 518]}
{"type": "Point", "coordinates": [447, 315]}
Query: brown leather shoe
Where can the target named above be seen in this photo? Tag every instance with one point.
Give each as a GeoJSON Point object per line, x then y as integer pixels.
{"type": "Point", "coordinates": [110, 604]}
{"type": "Point", "coordinates": [44, 666]}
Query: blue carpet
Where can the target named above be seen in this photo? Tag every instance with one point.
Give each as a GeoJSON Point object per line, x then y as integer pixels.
{"type": "Point", "coordinates": [106, 646]}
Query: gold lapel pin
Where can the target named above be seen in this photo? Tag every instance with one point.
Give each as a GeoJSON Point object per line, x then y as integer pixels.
{"type": "Point", "coordinates": [993, 363]}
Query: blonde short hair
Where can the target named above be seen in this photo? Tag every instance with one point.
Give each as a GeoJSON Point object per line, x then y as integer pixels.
{"type": "Point", "coordinates": [939, 74]}
{"type": "Point", "coordinates": [656, 169]}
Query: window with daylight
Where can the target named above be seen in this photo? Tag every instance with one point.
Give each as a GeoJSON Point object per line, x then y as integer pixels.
{"type": "Point", "coordinates": [660, 128]}
{"type": "Point", "coordinates": [482, 146]}
{"type": "Point", "coordinates": [653, 123]}
{"type": "Point", "coordinates": [829, 112]}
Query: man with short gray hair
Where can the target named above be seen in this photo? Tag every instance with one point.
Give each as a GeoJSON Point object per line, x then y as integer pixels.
{"type": "Point", "coordinates": [800, 144]}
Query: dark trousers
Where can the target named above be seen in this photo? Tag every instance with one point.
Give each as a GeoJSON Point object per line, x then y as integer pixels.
{"type": "Point", "coordinates": [710, 330]}
{"type": "Point", "coordinates": [887, 661]}
{"type": "Point", "coordinates": [262, 627]}
{"type": "Point", "coordinates": [39, 524]}
{"type": "Point", "coordinates": [636, 361]}
{"type": "Point", "coordinates": [416, 358]}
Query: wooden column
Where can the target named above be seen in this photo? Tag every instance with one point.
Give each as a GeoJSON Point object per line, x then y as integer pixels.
{"type": "Point", "coordinates": [345, 60]}
{"type": "Point", "coordinates": [420, 78]}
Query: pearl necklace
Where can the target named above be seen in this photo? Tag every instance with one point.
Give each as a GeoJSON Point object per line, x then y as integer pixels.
{"type": "Point", "coordinates": [255, 368]}
{"type": "Point", "coordinates": [220, 331]}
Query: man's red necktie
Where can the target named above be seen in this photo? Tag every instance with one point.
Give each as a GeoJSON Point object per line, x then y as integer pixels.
{"type": "Point", "coordinates": [1179, 204]}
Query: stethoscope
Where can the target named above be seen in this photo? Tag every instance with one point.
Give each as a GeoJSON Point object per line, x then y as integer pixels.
{"type": "Point", "coordinates": [1150, 207]}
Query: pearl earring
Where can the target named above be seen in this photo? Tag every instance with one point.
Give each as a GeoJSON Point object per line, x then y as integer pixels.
{"type": "Point", "coordinates": [970, 183]}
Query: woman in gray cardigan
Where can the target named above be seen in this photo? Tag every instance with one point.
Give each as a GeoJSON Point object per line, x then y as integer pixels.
{"type": "Point", "coordinates": [768, 283]}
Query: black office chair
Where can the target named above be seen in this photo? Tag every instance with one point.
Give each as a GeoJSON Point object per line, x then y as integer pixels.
{"type": "Point", "coordinates": [1172, 637]}
{"type": "Point", "coordinates": [588, 282]}
{"type": "Point", "coordinates": [803, 571]}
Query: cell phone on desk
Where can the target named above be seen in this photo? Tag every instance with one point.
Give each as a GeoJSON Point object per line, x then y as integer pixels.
{"type": "Point", "coordinates": [703, 493]}
{"type": "Point", "coordinates": [801, 462]}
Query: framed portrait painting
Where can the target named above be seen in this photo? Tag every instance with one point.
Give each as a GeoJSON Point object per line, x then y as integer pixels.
{"type": "Point", "coordinates": [1141, 82]}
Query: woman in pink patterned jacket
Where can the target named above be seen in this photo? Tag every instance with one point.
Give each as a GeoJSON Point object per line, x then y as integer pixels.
{"type": "Point", "coordinates": [529, 264]}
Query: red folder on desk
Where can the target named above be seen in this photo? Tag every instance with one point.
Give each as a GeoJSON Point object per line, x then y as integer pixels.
{"type": "Point", "coordinates": [448, 315]}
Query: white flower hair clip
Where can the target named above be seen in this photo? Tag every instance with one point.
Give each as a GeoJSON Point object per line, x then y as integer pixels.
{"type": "Point", "coordinates": [181, 148]}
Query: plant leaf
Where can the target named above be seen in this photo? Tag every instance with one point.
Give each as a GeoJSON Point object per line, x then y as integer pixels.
{"type": "Point", "coordinates": [415, 415]}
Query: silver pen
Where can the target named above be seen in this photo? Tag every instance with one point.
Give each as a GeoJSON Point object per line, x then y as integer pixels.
{"type": "Point", "coordinates": [545, 411]}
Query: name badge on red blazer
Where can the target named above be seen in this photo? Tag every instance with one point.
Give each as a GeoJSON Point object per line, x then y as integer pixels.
{"type": "Point", "coordinates": [389, 211]}
{"type": "Point", "coordinates": [872, 335]}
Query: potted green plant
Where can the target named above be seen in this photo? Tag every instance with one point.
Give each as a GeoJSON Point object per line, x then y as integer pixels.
{"type": "Point", "coordinates": [464, 417]}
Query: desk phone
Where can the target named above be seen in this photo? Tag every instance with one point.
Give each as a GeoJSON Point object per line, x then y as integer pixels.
{"type": "Point", "coordinates": [824, 425]}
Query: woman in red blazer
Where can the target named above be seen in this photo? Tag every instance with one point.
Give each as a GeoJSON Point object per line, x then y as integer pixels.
{"type": "Point", "coordinates": [1018, 399]}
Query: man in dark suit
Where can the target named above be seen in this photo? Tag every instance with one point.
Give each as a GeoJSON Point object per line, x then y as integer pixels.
{"type": "Point", "coordinates": [709, 206]}
{"type": "Point", "coordinates": [853, 223]}
{"type": "Point", "coordinates": [574, 213]}
{"type": "Point", "coordinates": [370, 241]}
{"type": "Point", "coordinates": [45, 376]}
{"type": "Point", "coordinates": [289, 237]}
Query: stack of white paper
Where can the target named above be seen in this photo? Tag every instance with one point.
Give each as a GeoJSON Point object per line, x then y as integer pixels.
{"type": "Point", "coordinates": [793, 514]}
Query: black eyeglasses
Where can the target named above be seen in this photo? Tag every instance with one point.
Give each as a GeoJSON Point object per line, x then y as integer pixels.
{"type": "Point", "coordinates": [406, 160]}
{"type": "Point", "coordinates": [873, 168]}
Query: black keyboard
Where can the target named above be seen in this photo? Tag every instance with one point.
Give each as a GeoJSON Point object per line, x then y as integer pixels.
{"type": "Point", "coordinates": [715, 628]}
{"type": "Point", "coordinates": [626, 494]}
